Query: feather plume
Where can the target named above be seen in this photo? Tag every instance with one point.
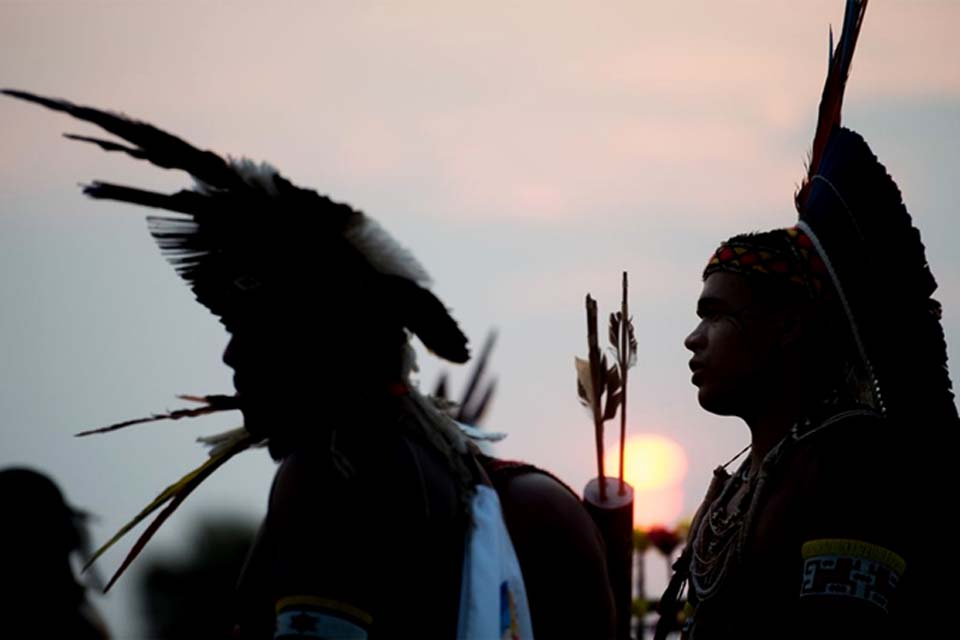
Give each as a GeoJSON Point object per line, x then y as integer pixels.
{"type": "Point", "coordinates": [440, 389]}
{"type": "Point", "coordinates": [385, 254]}
{"type": "Point", "coordinates": [480, 435]}
{"type": "Point", "coordinates": [108, 145]}
{"type": "Point", "coordinates": [477, 395]}
{"type": "Point", "coordinates": [218, 442]}
{"type": "Point", "coordinates": [613, 390]}
{"type": "Point", "coordinates": [478, 409]}
{"type": "Point", "coordinates": [175, 494]}
{"type": "Point", "coordinates": [423, 313]}
{"type": "Point", "coordinates": [584, 382]}
{"type": "Point", "coordinates": [854, 214]}
{"type": "Point", "coordinates": [249, 224]}
{"type": "Point", "coordinates": [212, 404]}
{"type": "Point", "coordinates": [260, 176]}
{"type": "Point", "coordinates": [156, 146]}
{"type": "Point", "coordinates": [831, 101]}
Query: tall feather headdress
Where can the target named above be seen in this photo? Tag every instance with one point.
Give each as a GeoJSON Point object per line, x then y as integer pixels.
{"type": "Point", "coordinates": [244, 229]}
{"type": "Point", "coordinates": [854, 214]}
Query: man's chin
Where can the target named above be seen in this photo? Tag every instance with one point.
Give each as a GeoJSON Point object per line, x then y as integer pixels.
{"type": "Point", "coordinates": [264, 418]}
{"type": "Point", "coordinates": [716, 403]}
{"type": "Point", "coordinates": [254, 420]}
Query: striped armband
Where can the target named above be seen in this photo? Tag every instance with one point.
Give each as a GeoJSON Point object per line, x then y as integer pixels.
{"type": "Point", "coordinates": [312, 617]}
{"type": "Point", "coordinates": [850, 569]}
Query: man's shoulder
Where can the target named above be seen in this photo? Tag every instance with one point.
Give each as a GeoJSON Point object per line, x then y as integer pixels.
{"type": "Point", "coordinates": [546, 521]}
{"type": "Point", "coordinates": [395, 473]}
{"type": "Point", "coordinates": [846, 480]}
{"type": "Point", "coordinates": [536, 495]}
{"type": "Point", "coordinates": [847, 447]}
{"type": "Point", "coordinates": [838, 479]}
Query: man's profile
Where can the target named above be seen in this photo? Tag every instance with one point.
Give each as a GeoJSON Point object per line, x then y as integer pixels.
{"type": "Point", "coordinates": [824, 338]}
{"type": "Point", "coordinates": [375, 510]}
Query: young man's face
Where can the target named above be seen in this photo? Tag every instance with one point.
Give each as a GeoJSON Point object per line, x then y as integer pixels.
{"type": "Point", "coordinates": [273, 367]}
{"type": "Point", "coordinates": [247, 358]}
{"type": "Point", "coordinates": [735, 346]}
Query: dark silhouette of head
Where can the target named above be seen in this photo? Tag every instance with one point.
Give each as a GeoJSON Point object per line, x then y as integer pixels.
{"type": "Point", "coordinates": [40, 534]}
{"type": "Point", "coordinates": [769, 325]}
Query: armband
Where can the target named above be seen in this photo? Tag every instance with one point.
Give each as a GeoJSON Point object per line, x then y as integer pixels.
{"type": "Point", "coordinates": [312, 617]}
{"type": "Point", "coordinates": [850, 569]}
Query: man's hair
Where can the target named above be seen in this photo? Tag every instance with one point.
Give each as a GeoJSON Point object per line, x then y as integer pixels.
{"type": "Point", "coordinates": [783, 256]}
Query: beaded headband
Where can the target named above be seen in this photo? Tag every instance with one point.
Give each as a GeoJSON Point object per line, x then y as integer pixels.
{"type": "Point", "coordinates": [784, 254]}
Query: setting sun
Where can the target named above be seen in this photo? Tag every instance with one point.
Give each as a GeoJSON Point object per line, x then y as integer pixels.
{"type": "Point", "coordinates": [654, 466]}
{"type": "Point", "coordinates": [651, 462]}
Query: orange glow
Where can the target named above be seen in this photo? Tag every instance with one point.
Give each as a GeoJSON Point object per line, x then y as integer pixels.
{"type": "Point", "coordinates": [662, 507]}
{"type": "Point", "coordinates": [651, 462]}
{"type": "Point", "coordinates": [654, 466]}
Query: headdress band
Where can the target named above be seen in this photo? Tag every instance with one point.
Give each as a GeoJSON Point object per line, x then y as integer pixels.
{"type": "Point", "coordinates": [786, 254]}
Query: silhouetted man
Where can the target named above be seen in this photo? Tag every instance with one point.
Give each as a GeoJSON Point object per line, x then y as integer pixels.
{"type": "Point", "coordinates": [825, 340]}
{"type": "Point", "coordinates": [39, 535]}
{"type": "Point", "coordinates": [381, 519]}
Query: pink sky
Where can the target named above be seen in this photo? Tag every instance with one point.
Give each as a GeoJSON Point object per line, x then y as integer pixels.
{"type": "Point", "coordinates": [526, 154]}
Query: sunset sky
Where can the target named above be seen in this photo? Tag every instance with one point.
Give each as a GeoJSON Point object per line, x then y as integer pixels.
{"type": "Point", "coordinates": [526, 154]}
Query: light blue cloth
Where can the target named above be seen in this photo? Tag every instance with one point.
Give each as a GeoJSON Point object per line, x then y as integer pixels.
{"type": "Point", "coordinates": [493, 599]}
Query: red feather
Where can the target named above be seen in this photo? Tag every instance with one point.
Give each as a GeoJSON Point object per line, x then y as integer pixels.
{"type": "Point", "coordinates": [832, 100]}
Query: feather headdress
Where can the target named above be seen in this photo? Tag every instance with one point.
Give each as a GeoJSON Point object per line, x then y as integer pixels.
{"type": "Point", "coordinates": [245, 231]}
{"type": "Point", "coordinates": [852, 211]}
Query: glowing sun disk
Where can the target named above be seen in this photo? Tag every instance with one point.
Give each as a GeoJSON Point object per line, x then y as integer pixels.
{"type": "Point", "coordinates": [651, 462]}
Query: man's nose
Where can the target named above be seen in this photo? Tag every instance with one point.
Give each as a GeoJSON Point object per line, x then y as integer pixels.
{"type": "Point", "coordinates": [696, 340]}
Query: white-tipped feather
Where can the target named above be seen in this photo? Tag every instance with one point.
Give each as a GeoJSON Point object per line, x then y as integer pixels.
{"type": "Point", "coordinates": [255, 174]}
{"type": "Point", "coordinates": [219, 442]}
{"type": "Point", "coordinates": [479, 434]}
{"type": "Point", "coordinates": [409, 365]}
{"type": "Point", "coordinates": [439, 423]}
{"type": "Point", "coordinates": [258, 175]}
{"type": "Point", "coordinates": [384, 253]}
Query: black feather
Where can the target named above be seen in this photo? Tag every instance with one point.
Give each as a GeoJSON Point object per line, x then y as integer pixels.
{"type": "Point", "coordinates": [479, 368]}
{"type": "Point", "coordinates": [156, 146]}
{"type": "Point", "coordinates": [184, 201]}
{"type": "Point", "coordinates": [422, 312]}
{"type": "Point", "coordinates": [252, 228]}
{"type": "Point", "coordinates": [856, 211]}
{"type": "Point", "coordinates": [440, 391]}
{"type": "Point", "coordinates": [474, 413]}
{"type": "Point", "coordinates": [108, 145]}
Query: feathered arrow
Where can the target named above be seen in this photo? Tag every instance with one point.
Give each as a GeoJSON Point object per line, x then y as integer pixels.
{"type": "Point", "coordinates": [602, 387]}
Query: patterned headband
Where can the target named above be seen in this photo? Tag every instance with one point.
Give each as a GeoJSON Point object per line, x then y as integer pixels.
{"type": "Point", "coordinates": [785, 254]}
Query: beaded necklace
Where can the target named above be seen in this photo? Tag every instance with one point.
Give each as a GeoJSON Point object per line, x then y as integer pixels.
{"type": "Point", "coordinates": [718, 541]}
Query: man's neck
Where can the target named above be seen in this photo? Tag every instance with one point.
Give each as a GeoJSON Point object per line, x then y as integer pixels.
{"type": "Point", "coordinates": [772, 423]}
